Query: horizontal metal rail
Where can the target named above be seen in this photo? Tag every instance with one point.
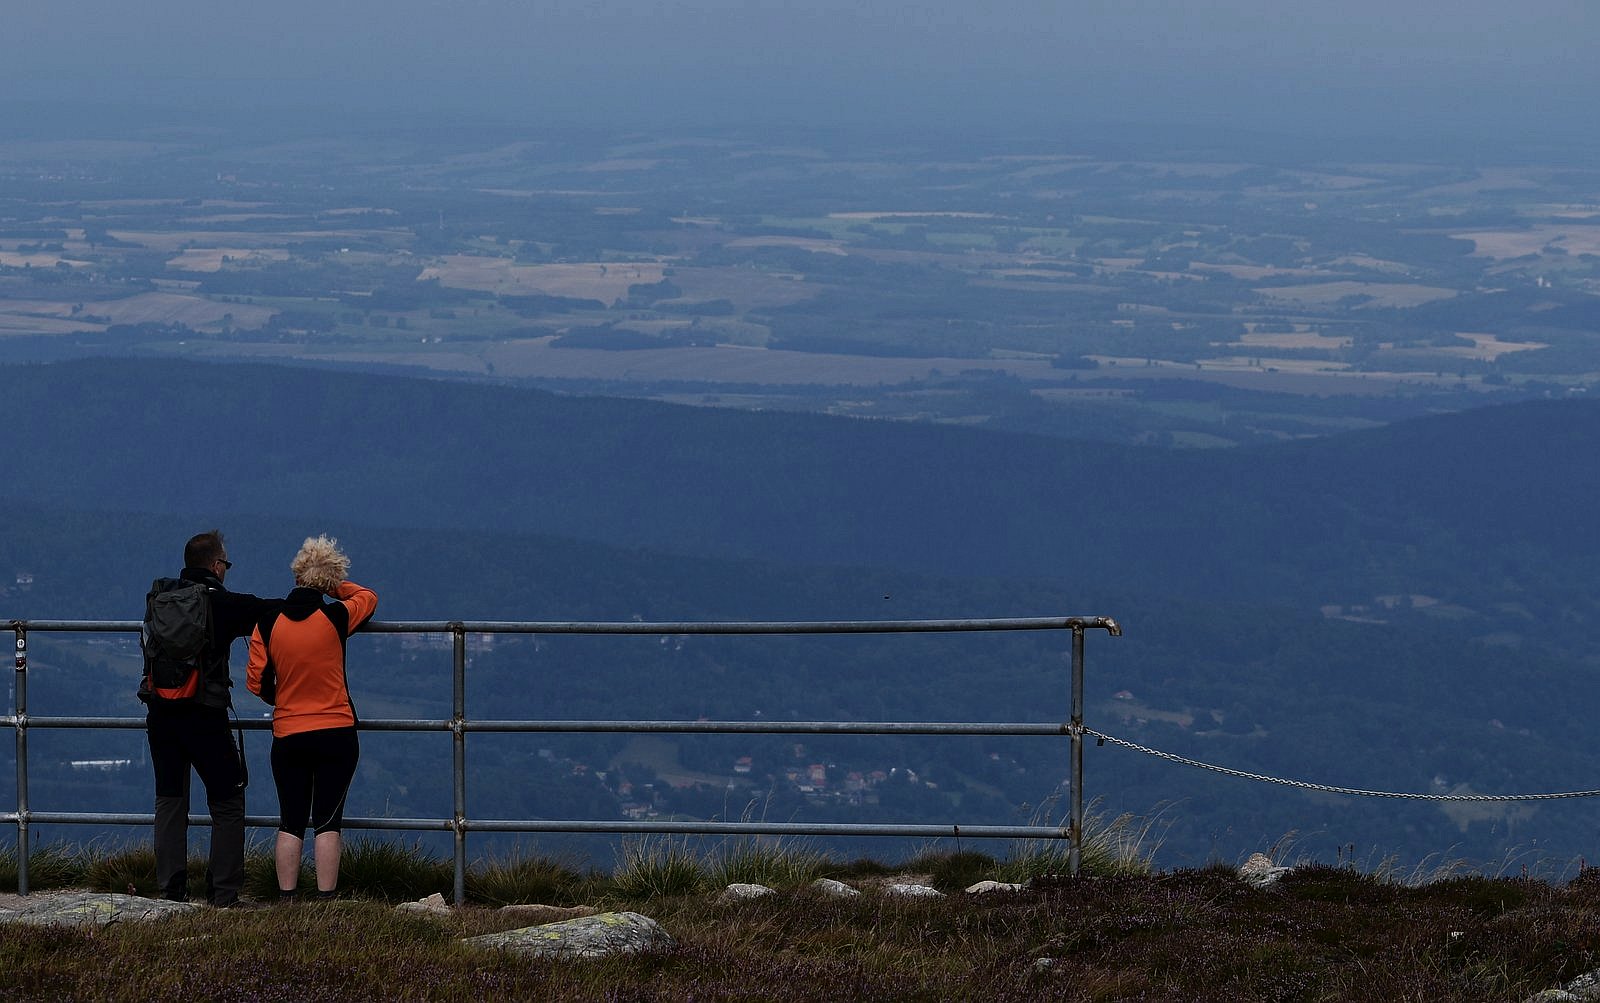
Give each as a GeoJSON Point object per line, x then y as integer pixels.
{"type": "Point", "coordinates": [459, 726]}
{"type": "Point", "coordinates": [705, 827]}
{"type": "Point", "coordinates": [658, 627]}
{"type": "Point", "coordinates": [650, 727]}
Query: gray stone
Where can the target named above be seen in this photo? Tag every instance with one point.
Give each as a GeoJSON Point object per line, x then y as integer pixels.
{"type": "Point", "coordinates": [1260, 872]}
{"type": "Point", "coordinates": [834, 889]}
{"type": "Point", "coordinates": [737, 892]}
{"type": "Point", "coordinates": [913, 891]}
{"type": "Point", "coordinates": [986, 887]}
{"type": "Point", "coordinates": [1583, 989]}
{"type": "Point", "coordinates": [94, 909]}
{"type": "Point", "coordinates": [1586, 986]}
{"type": "Point", "coordinates": [433, 905]}
{"type": "Point", "coordinates": [596, 936]}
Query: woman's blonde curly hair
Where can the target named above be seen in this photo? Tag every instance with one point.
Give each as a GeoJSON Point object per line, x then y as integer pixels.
{"type": "Point", "coordinates": [320, 564]}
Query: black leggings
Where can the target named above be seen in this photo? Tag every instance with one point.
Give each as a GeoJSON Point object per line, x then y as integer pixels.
{"type": "Point", "coordinates": [313, 771]}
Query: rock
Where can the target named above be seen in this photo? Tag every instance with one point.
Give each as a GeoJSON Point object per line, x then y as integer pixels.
{"type": "Point", "coordinates": [94, 909]}
{"type": "Point", "coordinates": [738, 892]}
{"type": "Point", "coordinates": [985, 887]}
{"type": "Point", "coordinates": [595, 936]}
{"type": "Point", "coordinates": [1583, 989]}
{"type": "Point", "coordinates": [913, 891]}
{"type": "Point", "coordinates": [536, 914]}
{"type": "Point", "coordinates": [1260, 872]}
{"type": "Point", "coordinates": [433, 905]}
{"type": "Point", "coordinates": [1041, 965]}
{"type": "Point", "coordinates": [834, 889]}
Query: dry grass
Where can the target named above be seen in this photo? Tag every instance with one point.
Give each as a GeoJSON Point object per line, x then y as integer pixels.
{"type": "Point", "coordinates": [1323, 934]}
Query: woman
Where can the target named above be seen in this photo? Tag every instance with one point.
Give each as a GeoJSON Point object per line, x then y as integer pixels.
{"type": "Point", "coordinates": [297, 665]}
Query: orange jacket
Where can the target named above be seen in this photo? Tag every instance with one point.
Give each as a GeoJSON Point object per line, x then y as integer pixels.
{"type": "Point", "coordinates": [297, 658]}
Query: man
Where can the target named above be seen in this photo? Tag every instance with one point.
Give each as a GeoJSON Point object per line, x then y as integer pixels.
{"type": "Point", "coordinates": [188, 729]}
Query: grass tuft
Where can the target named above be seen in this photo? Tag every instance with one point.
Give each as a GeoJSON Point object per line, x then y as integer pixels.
{"type": "Point", "coordinates": [658, 868]}
{"type": "Point", "coordinates": [953, 872]}
{"type": "Point", "coordinates": [759, 861]}
{"type": "Point", "coordinates": [51, 866]}
{"type": "Point", "coordinates": [517, 879]}
{"type": "Point", "coordinates": [1121, 846]}
{"type": "Point", "coordinates": [390, 871]}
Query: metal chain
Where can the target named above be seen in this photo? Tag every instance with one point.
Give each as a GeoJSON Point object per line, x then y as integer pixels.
{"type": "Point", "coordinates": [1328, 788]}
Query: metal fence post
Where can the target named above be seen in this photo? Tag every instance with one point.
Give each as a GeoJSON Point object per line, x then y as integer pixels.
{"type": "Point", "coordinates": [459, 743]}
{"type": "Point", "coordinates": [22, 758]}
{"type": "Point", "coordinates": [1075, 831]}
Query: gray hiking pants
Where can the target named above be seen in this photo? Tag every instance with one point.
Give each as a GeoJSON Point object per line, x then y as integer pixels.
{"type": "Point", "coordinates": [185, 737]}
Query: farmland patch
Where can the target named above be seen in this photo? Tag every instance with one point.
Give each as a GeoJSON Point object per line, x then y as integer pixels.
{"type": "Point", "coordinates": [1373, 294]}
{"type": "Point", "coordinates": [603, 281]}
{"type": "Point", "coordinates": [210, 259]}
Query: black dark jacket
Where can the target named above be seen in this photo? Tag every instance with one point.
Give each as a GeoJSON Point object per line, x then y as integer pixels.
{"type": "Point", "coordinates": [233, 615]}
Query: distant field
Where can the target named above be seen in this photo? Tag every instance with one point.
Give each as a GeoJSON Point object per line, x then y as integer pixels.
{"type": "Point", "coordinates": [1383, 294]}
{"type": "Point", "coordinates": [912, 215]}
{"type": "Point", "coordinates": [1575, 238]}
{"type": "Point", "coordinates": [743, 288]}
{"type": "Point", "coordinates": [594, 280]}
{"type": "Point", "coordinates": [1296, 339]}
{"type": "Point", "coordinates": [1487, 346]}
{"type": "Point", "coordinates": [178, 241]}
{"type": "Point", "coordinates": [15, 324]}
{"type": "Point", "coordinates": [209, 259]}
{"type": "Point", "coordinates": [1252, 272]}
{"type": "Point", "coordinates": [158, 308]}
{"type": "Point", "coordinates": [730, 364]}
{"type": "Point", "coordinates": [35, 259]}
{"type": "Point", "coordinates": [814, 244]}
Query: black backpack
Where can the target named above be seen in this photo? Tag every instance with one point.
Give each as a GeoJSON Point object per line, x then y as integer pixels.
{"type": "Point", "coordinates": [176, 638]}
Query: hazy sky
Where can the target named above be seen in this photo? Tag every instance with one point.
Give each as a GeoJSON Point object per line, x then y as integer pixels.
{"type": "Point", "coordinates": [1452, 65]}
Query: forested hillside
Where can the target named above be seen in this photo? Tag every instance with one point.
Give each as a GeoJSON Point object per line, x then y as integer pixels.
{"type": "Point", "coordinates": [1404, 608]}
{"type": "Point", "coordinates": [1480, 509]}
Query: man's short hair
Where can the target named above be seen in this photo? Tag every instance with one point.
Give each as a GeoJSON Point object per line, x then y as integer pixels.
{"type": "Point", "coordinates": [203, 549]}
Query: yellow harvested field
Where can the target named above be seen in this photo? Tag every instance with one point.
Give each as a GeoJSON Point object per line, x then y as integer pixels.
{"type": "Point", "coordinates": [1487, 346]}
{"type": "Point", "coordinates": [171, 308]}
{"type": "Point", "coordinates": [1383, 294]}
{"type": "Point", "coordinates": [34, 259]}
{"type": "Point", "coordinates": [605, 282]}
{"type": "Point", "coordinates": [1574, 238]}
{"type": "Point", "coordinates": [209, 259]}
{"type": "Point", "coordinates": [17, 323]}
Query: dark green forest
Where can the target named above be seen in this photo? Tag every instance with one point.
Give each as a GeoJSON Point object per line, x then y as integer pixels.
{"type": "Point", "coordinates": [1405, 608]}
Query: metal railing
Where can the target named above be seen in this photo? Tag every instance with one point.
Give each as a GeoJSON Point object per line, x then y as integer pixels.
{"type": "Point", "coordinates": [458, 725]}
